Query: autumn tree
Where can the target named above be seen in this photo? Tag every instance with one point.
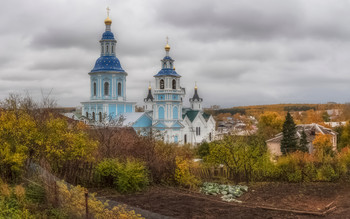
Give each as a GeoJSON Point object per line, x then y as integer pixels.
{"type": "Point", "coordinates": [289, 140]}
{"type": "Point", "coordinates": [344, 138]}
{"type": "Point", "coordinates": [313, 116]}
{"type": "Point", "coordinates": [323, 146]}
{"type": "Point", "coordinates": [241, 155]}
{"type": "Point", "coordinates": [31, 133]}
{"type": "Point", "coordinates": [270, 123]}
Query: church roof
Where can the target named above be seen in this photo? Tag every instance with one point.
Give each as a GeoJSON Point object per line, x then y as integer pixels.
{"type": "Point", "coordinates": [196, 96]}
{"type": "Point", "coordinates": [167, 72]}
{"type": "Point", "coordinates": [310, 129]}
{"type": "Point", "coordinates": [191, 114]}
{"type": "Point", "coordinates": [206, 116]}
{"type": "Point", "coordinates": [107, 63]}
{"type": "Point", "coordinates": [149, 96]}
{"type": "Point", "coordinates": [107, 35]}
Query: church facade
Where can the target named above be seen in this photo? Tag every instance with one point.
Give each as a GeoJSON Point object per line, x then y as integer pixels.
{"type": "Point", "coordinates": [164, 112]}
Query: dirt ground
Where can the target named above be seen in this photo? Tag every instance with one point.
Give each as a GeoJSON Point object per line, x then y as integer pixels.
{"type": "Point", "coordinates": [264, 200]}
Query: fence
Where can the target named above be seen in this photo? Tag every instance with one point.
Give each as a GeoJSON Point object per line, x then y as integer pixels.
{"type": "Point", "coordinates": [226, 174]}
{"type": "Point", "coordinates": [75, 200]}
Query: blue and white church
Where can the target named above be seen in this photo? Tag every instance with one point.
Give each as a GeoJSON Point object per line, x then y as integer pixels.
{"type": "Point", "coordinates": [164, 111]}
{"type": "Point", "coordinates": [107, 83]}
{"type": "Point", "coordinates": [179, 124]}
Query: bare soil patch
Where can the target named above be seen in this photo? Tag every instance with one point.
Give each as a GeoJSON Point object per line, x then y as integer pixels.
{"type": "Point", "coordinates": [257, 203]}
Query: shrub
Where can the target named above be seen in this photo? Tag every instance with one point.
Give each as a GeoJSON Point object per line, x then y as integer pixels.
{"type": "Point", "coordinates": [326, 173]}
{"type": "Point", "coordinates": [183, 174]}
{"type": "Point", "coordinates": [73, 203]}
{"type": "Point", "coordinates": [203, 150]}
{"type": "Point", "coordinates": [343, 159]}
{"type": "Point", "coordinates": [132, 177]}
{"type": "Point", "coordinates": [107, 172]}
{"type": "Point", "coordinates": [127, 176]}
{"type": "Point", "coordinates": [12, 203]}
{"type": "Point", "coordinates": [296, 167]}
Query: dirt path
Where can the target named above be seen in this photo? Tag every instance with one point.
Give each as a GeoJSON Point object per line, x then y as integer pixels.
{"type": "Point", "coordinates": [313, 197]}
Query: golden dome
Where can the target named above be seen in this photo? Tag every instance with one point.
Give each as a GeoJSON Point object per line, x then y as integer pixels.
{"type": "Point", "coordinates": [167, 47]}
{"type": "Point", "coordinates": [108, 21]}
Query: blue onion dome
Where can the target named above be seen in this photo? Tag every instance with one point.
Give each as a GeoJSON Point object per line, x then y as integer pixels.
{"type": "Point", "coordinates": [107, 63]}
{"type": "Point", "coordinates": [107, 35]}
{"type": "Point", "coordinates": [167, 58]}
{"type": "Point", "coordinates": [167, 72]}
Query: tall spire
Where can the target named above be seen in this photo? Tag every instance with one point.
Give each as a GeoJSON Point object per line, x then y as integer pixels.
{"type": "Point", "coordinates": [195, 95]}
{"type": "Point", "coordinates": [149, 96]}
{"type": "Point", "coordinates": [167, 47]}
{"type": "Point", "coordinates": [108, 21]}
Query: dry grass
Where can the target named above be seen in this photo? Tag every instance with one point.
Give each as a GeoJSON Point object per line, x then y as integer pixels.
{"type": "Point", "coordinates": [5, 190]}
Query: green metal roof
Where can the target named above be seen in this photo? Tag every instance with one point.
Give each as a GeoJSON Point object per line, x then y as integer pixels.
{"type": "Point", "coordinates": [191, 114]}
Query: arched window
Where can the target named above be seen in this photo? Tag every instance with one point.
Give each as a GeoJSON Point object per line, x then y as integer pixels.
{"type": "Point", "coordinates": [119, 89]}
{"type": "Point", "coordinates": [160, 113]}
{"type": "Point", "coordinates": [102, 48]}
{"type": "Point", "coordinates": [210, 136]}
{"type": "Point", "coordinates": [107, 49]}
{"type": "Point", "coordinates": [174, 84]}
{"type": "Point", "coordinates": [185, 139]}
{"type": "Point", "coordinates": [175, 113]}
{"type": "Point", "coordinates": [112, 49]}
{"type": "Point", "coordinates": [100, 116]}
{"type": "Point", "coordinates": [106, 88]}
{"type": "Point", "coordinates": [161, 84]}
{"type": "Point", "coordinates": [94, 88]}
{"type": "Point", "coordinates": [87, 115]}
{"type": "Point", "coordinates": [93, 116]}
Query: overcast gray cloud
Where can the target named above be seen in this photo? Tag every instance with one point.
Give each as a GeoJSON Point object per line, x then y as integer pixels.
{"type": "Point", "coordinates": [240, 52]}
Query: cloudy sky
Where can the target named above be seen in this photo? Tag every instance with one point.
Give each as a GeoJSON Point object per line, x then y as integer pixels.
{"type": "Point", "coordinates": [240, 52]}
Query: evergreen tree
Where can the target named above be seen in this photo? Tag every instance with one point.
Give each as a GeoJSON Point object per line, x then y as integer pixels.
{"type": "Point", "coordinates": [289, 141]}
{"type": "Point", "coordinates": [303, 142]}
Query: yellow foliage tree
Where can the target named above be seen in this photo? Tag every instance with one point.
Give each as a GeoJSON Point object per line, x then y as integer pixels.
{"type": "Point", "coordinates": [323, 146]}
{"type": "Point", "coordinates": [270, 123]}
{"type": "Point", "coordinates": [18, 133]}
{"type": "Point", "coordinates": [52, 138]}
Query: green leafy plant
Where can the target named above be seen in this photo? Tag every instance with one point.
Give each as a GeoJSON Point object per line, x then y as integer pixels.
{"type": "Point", "coordinates": [127, 176]}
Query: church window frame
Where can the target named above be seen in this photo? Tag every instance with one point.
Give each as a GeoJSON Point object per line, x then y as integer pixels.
{"type": "Point", "coordinates": [119, 89]}
{"type": "Point", "coordinates": [93, 116]}
{"type": "Point", "coordinates": [161, 112]}
{"type": "Point", "coordinates": [161, 84]}
{"type": "Point", "coordinates": [185, 138]}
{"type": "Point", "coordinates": [106, 88]}
{"type": "Point", "coordinates": [100, 116]}
{"type": "Point", "coordinates": [198, 131]}
{"type": "Point", "coordinates": [174, 84]}
{"type": "Point", "coordinates": [102, 48]}
{"type": "Point", "coordinates": [112, 48]}
{"type": "Point", "coordinates": [107, 51]}
{"type": "Point", "coordinates": [87, 114]}
{"type": "Point", "coordinates": [175, 112]}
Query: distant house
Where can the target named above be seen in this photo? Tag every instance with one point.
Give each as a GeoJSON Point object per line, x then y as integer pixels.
{"type": "Point", "coordinates": [311, 130]}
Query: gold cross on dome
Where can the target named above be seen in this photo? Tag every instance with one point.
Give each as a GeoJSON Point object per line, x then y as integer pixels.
{"type": "Point", "coordinates": [108, 11]}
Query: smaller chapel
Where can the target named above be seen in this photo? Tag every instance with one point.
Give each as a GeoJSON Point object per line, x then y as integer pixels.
{"type": "Point", "coordinates": [164, 112]}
